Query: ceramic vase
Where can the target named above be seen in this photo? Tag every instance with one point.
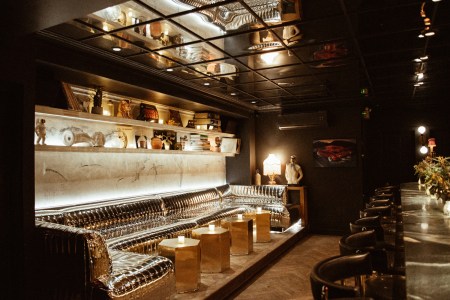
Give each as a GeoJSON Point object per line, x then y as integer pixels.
{"type": "Point", "coordinates": [156, 143]}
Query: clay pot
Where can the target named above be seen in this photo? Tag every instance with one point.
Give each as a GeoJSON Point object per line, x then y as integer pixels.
{"type": "Point", "coordinates": [156, 143]}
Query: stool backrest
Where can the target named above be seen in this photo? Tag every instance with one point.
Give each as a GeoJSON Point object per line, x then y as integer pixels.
{"type": "Point", "coordinates": [326, 273]}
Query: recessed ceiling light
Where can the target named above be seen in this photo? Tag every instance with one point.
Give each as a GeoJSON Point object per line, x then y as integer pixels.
{"type": "Point", "coordinates": [169, 70]}
{"type": "Point", "coordinates": [254, 102]}
{"type": "Point", "coordinates": [117, 49]}
{"type": "Point", "coordinates": [429, 33]}
{"type": "Point", "coordinates": [206, 83]}
{"type": "Point", "coordinates": [424, 57]}
{"type": "Point", "coordinates": [233, 94]}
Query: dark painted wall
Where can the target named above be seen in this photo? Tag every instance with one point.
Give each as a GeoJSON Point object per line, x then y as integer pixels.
{"type": "Point", "coordinates": [334, 194]}
{"type": "Point", "coordinates": [392, 142]}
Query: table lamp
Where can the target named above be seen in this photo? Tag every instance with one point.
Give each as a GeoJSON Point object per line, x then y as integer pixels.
{"type": "Point", "coordinates": [272, 167]}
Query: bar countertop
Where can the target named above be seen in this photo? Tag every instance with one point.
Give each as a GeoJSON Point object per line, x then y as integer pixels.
{"type": "Point", "coordinates": [427, 244]}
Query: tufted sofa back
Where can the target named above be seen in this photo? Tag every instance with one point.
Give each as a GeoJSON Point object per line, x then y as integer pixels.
{"type": "Point", "coordinates": [111, 220]}
{"type": "Point", "coordinates": [191, 204]}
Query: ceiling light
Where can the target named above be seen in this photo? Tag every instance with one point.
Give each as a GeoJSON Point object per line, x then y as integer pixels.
{"type": "Point", "coordinates": [421, 35]}
{"type": "Point", "coordinates": [268, 58]}
{"type": "Point", "coordinates": [429, 33]}
{"type": "Point", "coordinates": [233, 94]}
{"type": "Point", "coordinates": [425, 57]}
{"type": "Point", "coordinates": [116, 49]}
{"type": "Point", "coordinates": [436, 0]}
{"type": "Point", "coordinates": [254, 102]}
{"type": "Point", "coordinates": [417, 60]}
{"type": "Point", "coordinates": [169, 70]}
{"type": "Point", "coordinates": [206, 83]}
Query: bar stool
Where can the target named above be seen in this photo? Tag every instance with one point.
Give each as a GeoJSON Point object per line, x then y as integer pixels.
{"type": "Point", "coordinates": [383, 231]}
{"type": "Point", "coordinates": [366, 241]}
{"type": "Point", "coordinates": [326, 273]}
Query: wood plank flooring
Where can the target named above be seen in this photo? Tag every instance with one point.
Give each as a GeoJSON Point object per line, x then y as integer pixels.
{"type": "Point", "coordinates": [288, 277]}
{"type": "Point", "coordinates": [275, 270]}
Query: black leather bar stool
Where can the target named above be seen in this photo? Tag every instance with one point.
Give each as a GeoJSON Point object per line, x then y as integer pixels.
{"type": "Point", "coordinates": [326, 273]}
{"type": "Point", "coordinates": [389, 282]}
{"type": "Point", "coordinates": [383, 254]}
{"type": "Point", "coordinates": [385, 233]}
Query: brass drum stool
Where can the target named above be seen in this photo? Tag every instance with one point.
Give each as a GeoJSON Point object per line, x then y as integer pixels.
{"type": "Point", "coordinates": [215, 248]}
{"type": "Point", "coordinates": [262, 226]}
{"type": "Point", "coordinates": [241, 231]}
{"type": "Point", "coordinates": [185, 254]}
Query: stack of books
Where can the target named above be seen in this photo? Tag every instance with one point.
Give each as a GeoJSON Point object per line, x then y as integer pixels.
{"type": "Point", "coordinates": [207, 121]}
{"type": "Point", "coordinates": [199, 142]}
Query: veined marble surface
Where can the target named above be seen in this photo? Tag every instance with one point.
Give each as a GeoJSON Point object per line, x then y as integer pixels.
{"type": "Point", "coordinates": [427, 244]}
{"type": "Point", "coordinates": [63, 178]}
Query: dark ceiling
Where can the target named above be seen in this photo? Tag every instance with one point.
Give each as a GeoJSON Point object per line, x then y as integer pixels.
{"type": "Point", "coordinates": [324, 51]}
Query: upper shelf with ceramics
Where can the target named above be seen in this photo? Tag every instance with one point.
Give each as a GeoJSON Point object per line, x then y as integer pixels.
{"type": "Point", "coordinates": [83, 131]}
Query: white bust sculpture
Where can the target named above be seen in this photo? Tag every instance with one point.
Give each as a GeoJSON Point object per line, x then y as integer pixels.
{"type": "Point", "coordinates": [293, 171]}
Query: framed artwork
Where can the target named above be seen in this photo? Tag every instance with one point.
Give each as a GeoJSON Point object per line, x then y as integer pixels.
{"type": "Point", "coordinates": [334, 153]}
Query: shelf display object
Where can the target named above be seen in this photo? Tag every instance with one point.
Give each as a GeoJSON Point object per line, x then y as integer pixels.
{"type": "Point", "coordinates": [138, 121]}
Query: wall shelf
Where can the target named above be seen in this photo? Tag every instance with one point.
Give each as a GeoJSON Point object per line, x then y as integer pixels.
{"type": "Point", "coordinates": [51, 148]}
{"type": "Point", "coordinates": [57, 112]}
{"type": "Point", "coordinates": [93, 120]}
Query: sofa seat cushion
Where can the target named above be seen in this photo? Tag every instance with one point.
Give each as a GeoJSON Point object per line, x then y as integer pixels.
{"type": "Point", "coordinates": [139, 276]}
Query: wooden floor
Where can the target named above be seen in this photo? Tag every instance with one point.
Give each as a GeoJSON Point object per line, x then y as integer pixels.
{"type": "Point", "coordinates": [276, 270]}
{"type": "Point", "coordinates": [288, 277]}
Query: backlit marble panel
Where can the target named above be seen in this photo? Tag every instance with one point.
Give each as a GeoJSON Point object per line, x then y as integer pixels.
{"type": "Point", "coordinates": [63, 178]}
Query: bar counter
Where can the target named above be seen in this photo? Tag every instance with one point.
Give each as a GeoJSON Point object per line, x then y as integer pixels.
{"type": "Point", "coordinates": [426, 235]}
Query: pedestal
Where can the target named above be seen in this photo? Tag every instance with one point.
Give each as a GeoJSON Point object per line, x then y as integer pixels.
{"type": "Point", "coordinates": [263, 226]}
{"type": "Point", "coordinates": [241, 231]}
{"type": "Point", "coordinates": [215, 249]}
{"type": "Point", "coordinates": [186, 257]}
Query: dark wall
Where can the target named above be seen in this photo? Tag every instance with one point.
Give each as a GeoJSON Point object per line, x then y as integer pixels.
{"type": "Point", "coordinates": [334, 194]}
{"type": "Point", "coordinates": [392, 142]}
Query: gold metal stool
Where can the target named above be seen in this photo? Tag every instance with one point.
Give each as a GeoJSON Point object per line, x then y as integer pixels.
{"type": "Point", "coordinates": [262, 226]}
{"type": "Point", "coordinates": [185, 254]}
{"type": "Point", "coordinates": [241, 231]}
{"type": "Point", "coordinates": [215, 248]}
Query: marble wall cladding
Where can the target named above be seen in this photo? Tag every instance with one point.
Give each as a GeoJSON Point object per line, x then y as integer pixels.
{"type": "Point", "coordinates": [65, 178]}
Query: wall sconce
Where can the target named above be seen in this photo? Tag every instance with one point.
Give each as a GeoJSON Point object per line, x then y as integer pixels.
{"type": "Point", "coordinates": [272, 167]}
{"type": "Point", "coordinates": [423, 149]}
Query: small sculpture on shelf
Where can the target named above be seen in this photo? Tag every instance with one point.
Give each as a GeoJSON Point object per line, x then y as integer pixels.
{"type": "Point", "coordinates": [40, 131]}
{"type": "Point", "coordinates": [124, 109]}
{"type": "Point", "coordinates": [97, 108]}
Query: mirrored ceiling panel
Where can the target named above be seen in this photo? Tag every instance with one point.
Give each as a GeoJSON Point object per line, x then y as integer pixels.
{"type": "Point", "coordinates": [115, 45]}
{"type": "Point", "coordinates": [75, 30]}
{"type": "Point", "coordinates": [154, 60]}
{"type": "Point", "coordinates": [197, 52]}
{"type": "Point", "coordinates": [119, 16]}
{"type": "Point", "coordinates": [159, 34]}
{"type": "Point", "coordinates": [171, 7]}
{"type": "Point", "coordinates": [227, 69]}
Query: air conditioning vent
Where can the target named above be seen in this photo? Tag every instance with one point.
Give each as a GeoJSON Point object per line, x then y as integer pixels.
{"type": "Point", "coordinates": [302, 120]}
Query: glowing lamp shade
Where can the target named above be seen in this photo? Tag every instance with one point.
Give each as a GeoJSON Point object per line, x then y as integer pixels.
{"type": "Point", "coordinates": [272, 167]}
{"type": "Point", "coordinates": [431, 142]}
